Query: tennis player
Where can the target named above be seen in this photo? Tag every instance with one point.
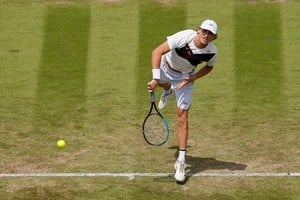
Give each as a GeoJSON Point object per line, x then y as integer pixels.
{"type": "Point", "coordinates": [174, 65]}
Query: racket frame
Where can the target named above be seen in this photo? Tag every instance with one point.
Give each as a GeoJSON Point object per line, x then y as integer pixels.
{"type": "Point", "coordinates": [166, 124]}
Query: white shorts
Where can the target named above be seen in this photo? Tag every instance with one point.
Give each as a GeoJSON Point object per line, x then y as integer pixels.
{"type": "Point", "coordinates": [183, 95]}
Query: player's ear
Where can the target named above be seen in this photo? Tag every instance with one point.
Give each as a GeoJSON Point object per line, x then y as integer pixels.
{"type": "Point", "coordinates": [215, 36]}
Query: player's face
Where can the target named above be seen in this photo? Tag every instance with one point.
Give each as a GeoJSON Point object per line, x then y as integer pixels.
{"type": "Point", "coordinates": [206, 36]}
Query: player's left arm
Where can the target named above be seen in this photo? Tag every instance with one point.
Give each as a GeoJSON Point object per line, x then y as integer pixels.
{"type": "Point", "coordinates": [202, 72]}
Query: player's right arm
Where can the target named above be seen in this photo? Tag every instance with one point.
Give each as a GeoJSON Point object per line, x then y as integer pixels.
{"type": "Point", "coordinates": [157, 53]}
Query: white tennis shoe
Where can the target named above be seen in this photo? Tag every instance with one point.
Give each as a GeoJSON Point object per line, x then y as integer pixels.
{"type": "Point", "coordinates": [180, 171]}
{"type": "Point", "coordinates": [165, 98]}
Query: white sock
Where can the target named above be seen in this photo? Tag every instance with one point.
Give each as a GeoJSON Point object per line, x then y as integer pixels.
{"type": "Point", "coordinates": [181, 156]}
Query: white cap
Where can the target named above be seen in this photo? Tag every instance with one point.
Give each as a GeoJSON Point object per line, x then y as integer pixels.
{"type": "Point", "coordinates": [210, 25]}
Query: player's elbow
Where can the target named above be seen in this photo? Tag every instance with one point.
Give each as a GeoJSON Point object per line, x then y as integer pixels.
{"type": "Point", "coordinates": [161, 49]}
{"type": "Point", "coordinates": [157, 53]}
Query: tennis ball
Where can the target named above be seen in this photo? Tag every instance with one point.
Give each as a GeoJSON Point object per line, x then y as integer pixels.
{"type": "Point", "coordinates": [61, 144]}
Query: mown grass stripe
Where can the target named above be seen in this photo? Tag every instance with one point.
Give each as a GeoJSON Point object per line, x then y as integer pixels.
{"type": "Point", "coordinates": [156, 22]}
{"type": "Point", "coordinates": [258, 59]}
{"type": "Point", "coordinates": [62, 74]}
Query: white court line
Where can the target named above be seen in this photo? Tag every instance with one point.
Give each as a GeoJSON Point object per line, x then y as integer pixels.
{"type": "Point", "coordinates": [132, 175]}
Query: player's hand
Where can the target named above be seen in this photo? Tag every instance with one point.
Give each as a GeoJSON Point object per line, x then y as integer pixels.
{"type": "Point", "coordinates": [152, 85]}
{"type": "Point", "coordinates": [185, 81]}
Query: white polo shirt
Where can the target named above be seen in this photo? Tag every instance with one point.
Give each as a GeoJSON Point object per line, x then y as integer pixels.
{"type": "Point", "coordinates": [185, 55]}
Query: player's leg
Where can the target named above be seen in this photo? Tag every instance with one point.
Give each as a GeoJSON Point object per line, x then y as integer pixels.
{"type": "Point", "coordinates": [165, 96]}
{"type": "Point", "coordinates": [182, 136]}
{"type": "Point", "coordinates": [182, 128]}
{"type": "Point", "coordinates": [184, 100]}
{"type": "Point", "coordinates": [167, 92]}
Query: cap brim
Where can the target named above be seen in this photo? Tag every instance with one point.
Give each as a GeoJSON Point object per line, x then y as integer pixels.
{"type": "Point", "coordinates": [209, 29]}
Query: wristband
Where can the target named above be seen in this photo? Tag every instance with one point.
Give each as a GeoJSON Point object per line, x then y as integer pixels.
{"type": "Point", "coordinates": [156, 74]}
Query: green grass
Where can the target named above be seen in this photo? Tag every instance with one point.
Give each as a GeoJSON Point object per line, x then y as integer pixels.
{"type": "Point", "coordinates": [60, 95]}
{"type": "Point", "coordinates": [258, 60]}
{"type": "Point", "coordinates": [78, 71]}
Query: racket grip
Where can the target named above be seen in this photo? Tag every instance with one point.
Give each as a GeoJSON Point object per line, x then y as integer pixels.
{"type": "Point", "coordinates": [152, 96]}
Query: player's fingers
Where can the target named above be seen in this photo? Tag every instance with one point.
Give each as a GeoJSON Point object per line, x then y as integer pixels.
{"type": "Point", "coordinates": [150, 86]}
{"type": "Point", "coordinates": [181, 85]}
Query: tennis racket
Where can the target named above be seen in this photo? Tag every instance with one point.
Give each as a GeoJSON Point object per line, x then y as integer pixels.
{"type": "Point", "coordinates": [155, 127]}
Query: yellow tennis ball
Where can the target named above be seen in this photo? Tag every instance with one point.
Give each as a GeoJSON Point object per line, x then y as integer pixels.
{"type": "Point", "coordinates": [61, 144]}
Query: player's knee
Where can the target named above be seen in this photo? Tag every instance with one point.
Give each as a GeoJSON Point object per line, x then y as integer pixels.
{"type": "Point", "coordinates": [182, 116]}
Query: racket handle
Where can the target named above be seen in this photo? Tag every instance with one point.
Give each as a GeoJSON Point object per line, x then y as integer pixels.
{"type": "Point", "coordinates": [152, 96]}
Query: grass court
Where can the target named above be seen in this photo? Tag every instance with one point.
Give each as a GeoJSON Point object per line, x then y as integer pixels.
{"type": "Point", "coordinates": [78, 70]}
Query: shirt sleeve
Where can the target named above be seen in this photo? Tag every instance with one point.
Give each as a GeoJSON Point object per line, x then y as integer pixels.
{"type": "Point", "coordinates": [212, 61]}
{"type": "Point", "coordinates": [179, 39]}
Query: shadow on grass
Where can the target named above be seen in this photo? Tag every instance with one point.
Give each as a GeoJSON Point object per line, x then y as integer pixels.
{"type": "Point", "coordinates": [198, 164]}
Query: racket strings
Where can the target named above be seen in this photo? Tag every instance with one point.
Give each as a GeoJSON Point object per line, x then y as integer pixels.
{"type": "Point", "coordinates": [155, 130]}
